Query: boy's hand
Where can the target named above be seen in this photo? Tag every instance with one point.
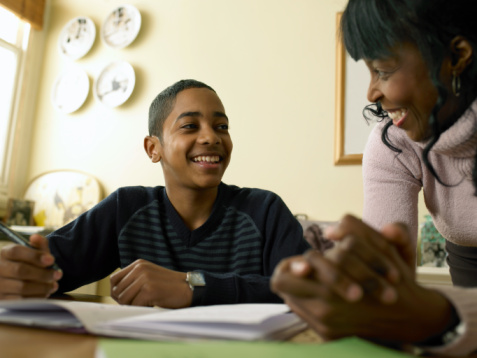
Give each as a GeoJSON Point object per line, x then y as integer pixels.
{"type": "Point", "coordinates": [143, 283]}
{"type": "Point", "coordinates": [24, 271]}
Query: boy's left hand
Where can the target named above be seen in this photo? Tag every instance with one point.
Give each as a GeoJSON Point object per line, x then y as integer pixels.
{"type": "Point", "coordinates": [143, 283]}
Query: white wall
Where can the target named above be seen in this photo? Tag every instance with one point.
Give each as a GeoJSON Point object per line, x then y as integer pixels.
{"type": "Point", "coordinates": [272, 62]}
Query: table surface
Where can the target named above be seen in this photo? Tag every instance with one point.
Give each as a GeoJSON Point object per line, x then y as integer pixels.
{"type": "Point", "coordinates": [19, 342]}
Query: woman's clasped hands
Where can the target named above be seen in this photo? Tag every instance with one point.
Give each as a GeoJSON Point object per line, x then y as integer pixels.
{"type": "Point", "coordinates": [364, 286]}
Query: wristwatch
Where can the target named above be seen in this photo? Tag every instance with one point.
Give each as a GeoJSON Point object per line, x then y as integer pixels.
{"type": "Point", "coordinates": [454, 331]}
{"type": "Point", "coordinates": [196, 282]}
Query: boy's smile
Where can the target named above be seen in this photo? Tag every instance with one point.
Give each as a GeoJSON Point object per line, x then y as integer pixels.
{"type": "Point", "coordinates": [196, 146]}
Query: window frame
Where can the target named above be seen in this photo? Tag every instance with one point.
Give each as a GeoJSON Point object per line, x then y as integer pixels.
{"type": "Point", "coordinates": [15, 168]}
{"type": "Point", "coordinates": [11, 119]}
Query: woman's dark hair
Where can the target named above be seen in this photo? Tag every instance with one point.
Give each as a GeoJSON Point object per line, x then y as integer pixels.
{"type": "Point", "coordinates": [371, 29]}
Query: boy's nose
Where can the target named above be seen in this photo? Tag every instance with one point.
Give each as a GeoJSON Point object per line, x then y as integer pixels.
{"type": "Point", "coordinates": [208, 136]}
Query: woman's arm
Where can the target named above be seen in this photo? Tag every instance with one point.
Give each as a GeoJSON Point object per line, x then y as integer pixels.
{"type": "Point", "coordinates": [391, 182]}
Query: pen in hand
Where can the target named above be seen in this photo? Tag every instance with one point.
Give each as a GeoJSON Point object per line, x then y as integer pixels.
{"type": "Point", "coordinates": [19, 239]}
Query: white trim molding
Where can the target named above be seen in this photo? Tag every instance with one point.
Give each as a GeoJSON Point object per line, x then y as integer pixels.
{"type": "Point", "coordinates": [3, 200]}
{"type": "Point", "coordinates": [433, 276]}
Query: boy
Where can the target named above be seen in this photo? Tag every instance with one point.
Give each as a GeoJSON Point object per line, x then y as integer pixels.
{"type": "Point", "coordinates": [196, 241]}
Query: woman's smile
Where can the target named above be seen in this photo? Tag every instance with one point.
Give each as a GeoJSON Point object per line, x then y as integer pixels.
{"type": "Point", "coordinates": [398, 116]}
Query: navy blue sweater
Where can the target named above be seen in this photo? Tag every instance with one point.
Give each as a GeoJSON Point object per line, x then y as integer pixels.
{"type": "Point", "coordinates": [248, 232]}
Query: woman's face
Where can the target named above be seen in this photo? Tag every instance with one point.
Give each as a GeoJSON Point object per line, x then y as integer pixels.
{"type": "Point", "coordinates": [402, 85]}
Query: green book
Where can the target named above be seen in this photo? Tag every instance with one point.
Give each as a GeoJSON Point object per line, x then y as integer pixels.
{"type": "Point", "coordinates": [348, 347]}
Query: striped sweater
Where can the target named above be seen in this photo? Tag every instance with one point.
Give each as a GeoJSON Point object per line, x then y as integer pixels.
{"type": "Point", "coordinates": [248, 232]}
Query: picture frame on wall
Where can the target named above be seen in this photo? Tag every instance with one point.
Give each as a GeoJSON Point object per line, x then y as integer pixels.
{"type": "Point", "coordinates": [19, 212]}
{"type": "Point", "coordinates": [351, 128]}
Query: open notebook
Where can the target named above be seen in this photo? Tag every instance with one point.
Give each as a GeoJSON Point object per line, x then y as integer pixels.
{"type": "Point", "coordinates": [232, 322]}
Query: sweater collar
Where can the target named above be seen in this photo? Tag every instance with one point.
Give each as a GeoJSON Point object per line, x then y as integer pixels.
{"type": "Point", "coordinates": [189, 237]}
{"type": "Point", "coordinates": [459, 142]}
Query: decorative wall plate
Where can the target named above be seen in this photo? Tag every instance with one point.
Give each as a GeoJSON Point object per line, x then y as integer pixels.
{"type": "Point", "coordinates": [115, 83]}
{"type": "Point", "coordinates": [121, 26]}
{"type": "Point", "coordinates": [61, 196]}
{"type": "Point", "coordinates": [77, 37]}
{"type": "Point", "coordinates": [70, 90]}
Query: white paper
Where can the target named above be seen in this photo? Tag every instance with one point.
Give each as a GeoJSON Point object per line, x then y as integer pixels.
{"type": "Point", "coordinates": [238, 322]}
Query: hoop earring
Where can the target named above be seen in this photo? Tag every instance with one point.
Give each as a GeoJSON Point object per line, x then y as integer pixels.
{"type": "Point", "coordinates": [455, 84]}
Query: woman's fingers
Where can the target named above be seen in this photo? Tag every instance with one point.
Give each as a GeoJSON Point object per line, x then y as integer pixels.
{"type": "Point", "coordinates": [323, 280]}
{"type": "Point", "coordinates": [398, 235]}
{"type": "Point", "coordinates": [368, 244]}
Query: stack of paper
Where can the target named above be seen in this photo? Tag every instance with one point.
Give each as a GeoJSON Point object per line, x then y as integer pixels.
{"type": "Point", "coordinates": [235, 322]}
{"type": "Point", "coordinates": [232, 322]}
{"type": "Point", "coordinates": [62, 315]}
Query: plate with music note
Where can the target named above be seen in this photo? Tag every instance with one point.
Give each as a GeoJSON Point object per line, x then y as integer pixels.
{"type": "Point", "coordinates": [121, 26]}
{"type": "Point", "coordinates": [115, 83]}
{"type": "Point", "coordinates": [77, 37]}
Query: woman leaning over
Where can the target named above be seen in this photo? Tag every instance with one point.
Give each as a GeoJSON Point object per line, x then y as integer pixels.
{"type": "Point", "coordinates": [421, 57]}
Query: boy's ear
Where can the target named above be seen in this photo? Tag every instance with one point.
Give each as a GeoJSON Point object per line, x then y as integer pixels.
{"type": "Point", "coordinates": [153, 147]}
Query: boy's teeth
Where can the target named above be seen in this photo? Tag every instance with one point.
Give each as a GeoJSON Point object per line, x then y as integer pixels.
{"type": "Point", "coordinates": [209, 159]}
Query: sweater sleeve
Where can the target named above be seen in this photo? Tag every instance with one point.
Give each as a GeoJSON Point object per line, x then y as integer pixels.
{"type": "Point", "coordinates": [464, 300]}
{"type": "Point", "coordinates": [86, 248]}
{"type": "Point", "coordinates": [282, 237]}
{"type": "Point", "coordinates": [391, 182]}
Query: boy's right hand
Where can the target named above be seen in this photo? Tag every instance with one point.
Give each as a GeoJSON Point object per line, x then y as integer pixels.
{"type": "Point", "coordinates": [24, 271]}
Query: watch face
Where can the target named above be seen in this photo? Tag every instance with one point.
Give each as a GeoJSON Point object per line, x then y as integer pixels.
{"type": "Point", "coordinates": [70, 90]}
{"type": "Point", "coordinates": [196, 278]}
{"type": "Point", "coordinates": [77, 37]}
{"type": "Point", "coordinates": [115, 84]}
{"type": "Point", "coordinates": [121, 26]}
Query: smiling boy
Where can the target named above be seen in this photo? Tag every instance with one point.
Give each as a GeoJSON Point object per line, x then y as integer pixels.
{"type": "Point", "coordinates": [195, 241]}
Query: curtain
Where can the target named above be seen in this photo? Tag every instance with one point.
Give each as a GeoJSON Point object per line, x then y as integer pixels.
{"type": "Point", "coordinates": [30, 11]}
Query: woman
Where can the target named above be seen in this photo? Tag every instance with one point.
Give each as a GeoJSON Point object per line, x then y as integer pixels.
{"type": "Point", "coordinates": [420, 54]}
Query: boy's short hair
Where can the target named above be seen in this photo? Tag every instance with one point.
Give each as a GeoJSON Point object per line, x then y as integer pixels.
{"type": "Point", "coordinates": [162, 105]}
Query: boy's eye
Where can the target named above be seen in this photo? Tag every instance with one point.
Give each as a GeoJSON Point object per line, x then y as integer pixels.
{"type": "Point", "coordinates": [189, 126]}
{"type": "Point", "coordinates": [223, 127]}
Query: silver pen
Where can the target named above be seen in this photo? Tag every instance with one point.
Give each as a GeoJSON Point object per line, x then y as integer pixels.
{"type": "Point", "coordinates": [19, 239]}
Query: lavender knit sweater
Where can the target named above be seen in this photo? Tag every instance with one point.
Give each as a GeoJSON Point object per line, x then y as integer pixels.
{"type": "Point", "coordinates": [392, 182]}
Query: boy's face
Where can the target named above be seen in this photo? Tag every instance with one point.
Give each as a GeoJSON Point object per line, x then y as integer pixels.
{"type": "Point", "coordinates": [196, 145]}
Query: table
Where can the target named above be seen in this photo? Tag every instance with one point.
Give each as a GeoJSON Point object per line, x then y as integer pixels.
{"type": "Point", "coordinates": [19, 342]}
{"type": "Point", "coordinates": [27, 342]}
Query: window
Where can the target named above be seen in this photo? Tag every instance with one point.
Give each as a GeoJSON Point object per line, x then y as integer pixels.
{"type": "Point", "coordinates": [14, 35]}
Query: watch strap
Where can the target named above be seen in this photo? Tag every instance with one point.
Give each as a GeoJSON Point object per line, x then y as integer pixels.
{"type": "Point", "coordinates": [453, 331]}
{"type": "Point", "coordinates": [196, 281]}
